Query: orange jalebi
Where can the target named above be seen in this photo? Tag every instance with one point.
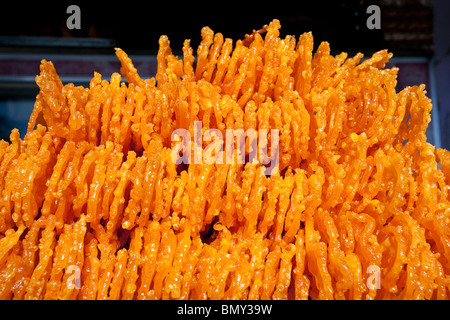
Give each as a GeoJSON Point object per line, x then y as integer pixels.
{"type": "Point", "coordinates": [93, 206]}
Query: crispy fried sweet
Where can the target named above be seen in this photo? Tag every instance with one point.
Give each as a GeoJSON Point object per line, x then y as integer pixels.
{"type": "Point", "coordinates": [93, 207]}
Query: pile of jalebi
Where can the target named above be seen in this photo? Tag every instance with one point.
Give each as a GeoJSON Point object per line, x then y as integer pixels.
{"type": "Point", "coordinates": [93, 207]}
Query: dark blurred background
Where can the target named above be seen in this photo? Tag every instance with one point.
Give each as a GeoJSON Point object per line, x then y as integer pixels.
{"type": "Point", "coordinates": [416, 31]}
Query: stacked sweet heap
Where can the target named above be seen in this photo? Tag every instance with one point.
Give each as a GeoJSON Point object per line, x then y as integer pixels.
{"type": "Point", "coordinates": [93, 207]}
